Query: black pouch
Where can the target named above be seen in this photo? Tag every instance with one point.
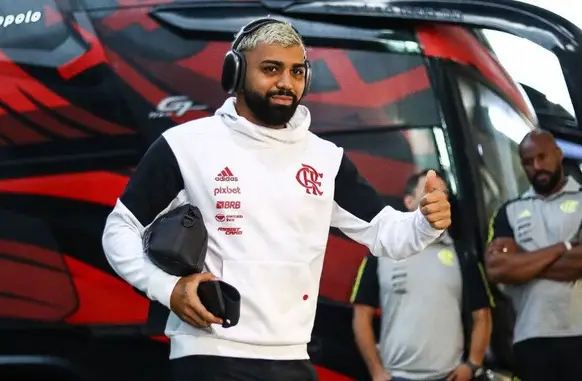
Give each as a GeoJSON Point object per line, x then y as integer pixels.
{"type": "Point", "coordinates": [222, 300]}
{"type": "Point", "coordinates": [177, 241]}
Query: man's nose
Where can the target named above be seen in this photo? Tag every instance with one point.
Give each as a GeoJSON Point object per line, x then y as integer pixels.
{"type": "Point", "coordinates": [285, 80]}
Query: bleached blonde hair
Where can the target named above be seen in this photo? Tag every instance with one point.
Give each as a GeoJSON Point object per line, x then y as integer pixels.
{"type": "Point", "coordinates": [280, 33]}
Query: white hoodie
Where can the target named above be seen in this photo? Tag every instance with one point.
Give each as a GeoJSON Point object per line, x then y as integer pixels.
{"type": "Point", "coordinates": [268, 198]}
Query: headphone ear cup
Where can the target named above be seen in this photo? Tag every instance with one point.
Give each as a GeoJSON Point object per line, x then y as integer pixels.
{"type": "Point", "coordinates": [241, 71]}
{"type": "Point", "coordinates": [230, 72]}
{"type": "Point", "coordinates": [307, 77]}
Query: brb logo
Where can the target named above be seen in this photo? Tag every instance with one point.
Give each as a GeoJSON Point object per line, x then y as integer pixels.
{"type": "Point", "coordinates": [227, 204]}
{"type": "Point", "coordinates": [175, 106]}
{"type": "Point", "coordinates": [308, 178]}
{"type": "Point", "coordinates": [20, 18]}
{"type": "Point", "coordinates": [226, 190]}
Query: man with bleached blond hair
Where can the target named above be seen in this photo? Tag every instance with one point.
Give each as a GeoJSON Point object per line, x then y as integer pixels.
{"type": "Point", "coordinates": [268, 190]}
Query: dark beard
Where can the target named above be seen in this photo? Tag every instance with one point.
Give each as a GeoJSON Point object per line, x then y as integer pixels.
{"type": "Point", "coordinates": [544, 188]}
{"type": "Point", "coordinates": [268, 113]}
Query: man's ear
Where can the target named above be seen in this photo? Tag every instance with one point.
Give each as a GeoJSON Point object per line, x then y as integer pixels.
{"type": "Point", "coordinates": [408, 202]}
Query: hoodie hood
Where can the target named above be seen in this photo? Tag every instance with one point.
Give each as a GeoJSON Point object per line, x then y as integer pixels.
{"type": "Point", "coordinates": [296, 129]}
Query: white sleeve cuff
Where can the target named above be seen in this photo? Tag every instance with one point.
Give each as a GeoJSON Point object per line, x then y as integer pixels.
{"type": "Point", "coordinates": [160, 287]}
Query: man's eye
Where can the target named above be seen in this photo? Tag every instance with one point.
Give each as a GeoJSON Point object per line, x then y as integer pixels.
{"type": "Point", "coordinates": [298, 71]}
{"type": "Point", "coordinates": [270, 69]}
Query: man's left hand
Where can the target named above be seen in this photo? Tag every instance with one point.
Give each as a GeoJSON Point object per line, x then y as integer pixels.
{"type": "Point", "coordinates": [462, 373]}
{"type": "Point", "coordinates": [434, 205]}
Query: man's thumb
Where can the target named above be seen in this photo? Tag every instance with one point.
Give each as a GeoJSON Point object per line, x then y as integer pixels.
{"type": "Point", "coordinates": [205, 277]}
{"type": "Point", "coordinates": [429, 184]}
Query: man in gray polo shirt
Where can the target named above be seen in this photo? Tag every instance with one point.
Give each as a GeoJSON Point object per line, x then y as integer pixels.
{"type": "Point", "coordinates": [534, 252]}
{"type": "Point", "coordinates": [421, 301]}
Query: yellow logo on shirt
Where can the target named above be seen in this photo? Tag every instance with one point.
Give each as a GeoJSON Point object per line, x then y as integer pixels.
{"type": "Point", "coordinates": [446, 257]}
{"type": "Point", "coordinates": [569, 206]}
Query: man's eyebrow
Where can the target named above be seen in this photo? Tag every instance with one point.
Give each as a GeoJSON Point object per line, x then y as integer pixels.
{"type": "Point", "coordinates": [272, 62]}
{"type": "Point", "coordinates": [281, 64]}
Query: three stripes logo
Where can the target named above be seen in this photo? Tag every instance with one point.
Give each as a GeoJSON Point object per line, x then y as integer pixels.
{"type": "Point", "coordinates": [226, 175]}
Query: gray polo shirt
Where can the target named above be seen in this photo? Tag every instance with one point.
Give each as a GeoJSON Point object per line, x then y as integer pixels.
{"type": "Point", "coordinates": [421, 302]}
{"type": "Point", "coordinates": [544, 308]}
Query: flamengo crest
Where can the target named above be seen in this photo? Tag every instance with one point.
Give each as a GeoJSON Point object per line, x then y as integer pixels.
{"type": "Point", "coordinates": [308, 178]}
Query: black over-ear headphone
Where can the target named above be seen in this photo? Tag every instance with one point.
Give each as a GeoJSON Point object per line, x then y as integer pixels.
{"type": "Point", "coordinates": [234, 66]}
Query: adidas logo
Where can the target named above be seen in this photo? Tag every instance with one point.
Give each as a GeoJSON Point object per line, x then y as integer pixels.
{"type": "Point", "coordinates": [226, 175]}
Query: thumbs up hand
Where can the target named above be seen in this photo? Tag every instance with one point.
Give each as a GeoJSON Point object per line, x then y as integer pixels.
{"type": "Point", "coordinates": [434, 204]}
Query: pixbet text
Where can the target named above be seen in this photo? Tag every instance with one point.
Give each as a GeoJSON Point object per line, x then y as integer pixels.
{"type": "Point", "coordinates": [226, 190]}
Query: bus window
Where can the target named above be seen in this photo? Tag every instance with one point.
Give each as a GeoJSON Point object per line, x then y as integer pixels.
{"type": "Point", "coordinates": [573, 167]}
{"type": "Point", "coordinates": [546, 76]}
{"type": "Point", "coordinates": [497, 130]}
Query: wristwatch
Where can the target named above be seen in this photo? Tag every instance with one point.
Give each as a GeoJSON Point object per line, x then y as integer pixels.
{"type": "Point", "coordinates": [568, 245]}
{"type": "Point", "coordinates": [476, 369]}
{"type": "Point", "coordinates": [571, 243]}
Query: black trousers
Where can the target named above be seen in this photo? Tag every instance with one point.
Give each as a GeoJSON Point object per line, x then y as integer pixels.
{"type": "Point", "coordinates": [549, 359]}
{"type": "Point", "coordinates": [214, 368]}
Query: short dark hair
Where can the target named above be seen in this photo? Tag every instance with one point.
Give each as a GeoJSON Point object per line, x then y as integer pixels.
{"type": "Point", "coordinates": [413, 180]}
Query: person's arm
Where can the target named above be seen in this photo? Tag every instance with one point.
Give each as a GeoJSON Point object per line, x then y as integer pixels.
{"type": "Point", "coordinates": [511, 266]}
{"type": "Point", "coordinates": [360, 214]}
{"type": "Point", "coordinates": [567, 268]}
{"type": "Point", "coordinates": [514, 267]}
{"type": "Point", "coordinates": [365, 299]}
{"type": "Point", "coordinates": [480, 301]}
{"type": "Point", "coordinates": [153, 186]}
